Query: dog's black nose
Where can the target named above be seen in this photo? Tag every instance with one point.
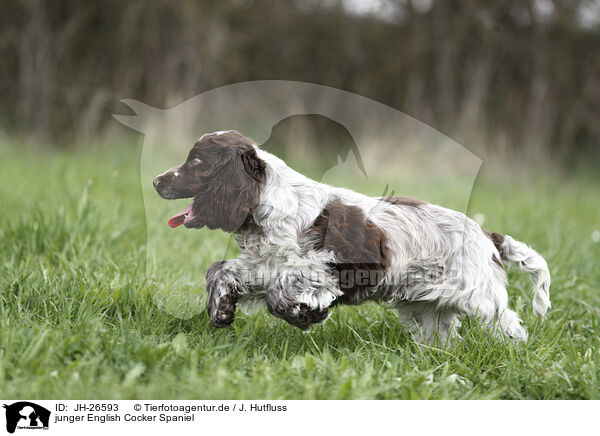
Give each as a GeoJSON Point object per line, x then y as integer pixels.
{"type": "Point", "coordinates": [155, 182]}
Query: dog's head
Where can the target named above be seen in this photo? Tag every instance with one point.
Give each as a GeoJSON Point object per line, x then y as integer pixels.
{"type": "Point", "coordinates": [223, 175]}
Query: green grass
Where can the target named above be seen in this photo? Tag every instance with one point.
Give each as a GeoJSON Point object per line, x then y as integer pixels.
{"type": "Point", "coordinates": [79, 318]}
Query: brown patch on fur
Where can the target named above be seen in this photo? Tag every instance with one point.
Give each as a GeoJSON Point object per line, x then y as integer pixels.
{"type": "Point", "coordinates": [360, 248]}
{"type": "Point", "coordinates": [498, 261]}
{"type": "Point", "coordinates": [404, 201]}
{"type": "Point", "coordinates": [497, 239]}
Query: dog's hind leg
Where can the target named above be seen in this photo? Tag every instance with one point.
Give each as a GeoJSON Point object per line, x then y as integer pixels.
{"type": "Point", "coordinates": [502, 322]}
{"type": "Point", "coordinates": [511, 327]}
{"type": "Point", "coordinates": [428, 325]}
{"type": "Point", "coordinates": [490, 308]}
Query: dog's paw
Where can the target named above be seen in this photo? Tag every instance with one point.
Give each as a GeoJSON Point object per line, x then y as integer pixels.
{"type": "Point", "coordinates": [303, 316]}
{"type": "Point", "coordinates": [313, 315]}
{"type": "Point", "coordinates": [222, 312]}
{"type": "Point", "coordinates": [298, 314]}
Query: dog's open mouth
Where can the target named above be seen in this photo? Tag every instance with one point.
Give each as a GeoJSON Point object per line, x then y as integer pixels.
{"type": "Point", "coordinates": [182, 217]}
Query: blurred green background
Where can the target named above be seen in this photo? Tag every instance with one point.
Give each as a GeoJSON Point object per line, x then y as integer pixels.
{"type": "Point", "coordinates": [514, 79]}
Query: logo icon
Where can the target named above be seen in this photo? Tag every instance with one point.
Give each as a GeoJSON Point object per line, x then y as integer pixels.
{"type": "Point", "coordinates": [26, 415]}
{"type": "Point", "coordinates": [346, 140]}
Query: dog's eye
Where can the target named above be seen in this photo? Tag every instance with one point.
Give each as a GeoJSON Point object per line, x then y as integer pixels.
{"type": "Point", "coordinates": [195, 162]}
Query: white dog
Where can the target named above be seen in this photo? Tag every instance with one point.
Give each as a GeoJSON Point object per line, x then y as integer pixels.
{"type": "Point", "coordinates": [306, 246]}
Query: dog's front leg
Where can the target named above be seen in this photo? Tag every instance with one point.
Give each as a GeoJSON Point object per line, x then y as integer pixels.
{"type": "Point", "coordinates": [223, 287]}
{"type": "Point", "coordinates": [301, 300]}
{"type": "Point", "coordinates": [300, 315]}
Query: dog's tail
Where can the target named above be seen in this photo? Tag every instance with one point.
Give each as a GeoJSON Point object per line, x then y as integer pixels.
{"type": "Point", "coordinates": [525, 258]}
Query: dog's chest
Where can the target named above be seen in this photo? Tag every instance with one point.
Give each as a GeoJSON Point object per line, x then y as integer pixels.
{"type": "Point", "coordinates": [259, 250]}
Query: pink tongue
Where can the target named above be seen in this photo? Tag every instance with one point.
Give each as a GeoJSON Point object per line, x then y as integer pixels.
{"type": "Point", "coordinates": [177, 220]}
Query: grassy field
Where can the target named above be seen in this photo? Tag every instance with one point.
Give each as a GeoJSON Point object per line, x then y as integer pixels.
{"type": "Point", "coordinates": [79, 318]}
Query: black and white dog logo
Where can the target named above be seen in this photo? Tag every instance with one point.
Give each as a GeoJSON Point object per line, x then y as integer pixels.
{"type": "Point", "coordinates": [26, 415]}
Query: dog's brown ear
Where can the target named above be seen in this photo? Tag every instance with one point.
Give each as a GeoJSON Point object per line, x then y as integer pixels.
{"type": "Point", "coordinates": [254, 166]}
{"type": "Point", "coordinates": [232, 194]}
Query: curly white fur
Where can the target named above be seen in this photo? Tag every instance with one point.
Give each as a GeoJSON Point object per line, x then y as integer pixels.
{"type": "Point", "coordinates": [278, 264]}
